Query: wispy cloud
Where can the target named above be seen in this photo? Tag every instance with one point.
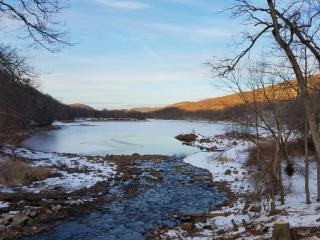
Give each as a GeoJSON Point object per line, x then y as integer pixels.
{"type": "Point", "coordinates": [133, 5]}
{"type": "Point", "coordinates": [209, 5]}
{"type": "Point", "coordinates": [193, 30]}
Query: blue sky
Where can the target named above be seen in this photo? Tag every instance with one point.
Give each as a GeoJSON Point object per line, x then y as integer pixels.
{"type": "Point", "coordinates": [137, 53]}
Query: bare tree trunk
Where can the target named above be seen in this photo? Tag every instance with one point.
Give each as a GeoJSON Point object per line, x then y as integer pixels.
{"type": "Point", "coordinates": [306, 133]}
{"type": "Point", "coordinates": [277, 169]}
{"type": "Point", "coordinates": [257, 133]}
{"type": "Point", "coordinates": [318, 182]}
{"type": "Point", "coordinates": [306, 166]}
{"type": "Point", "coordinates": [273, 208]}
{"type": "Point", "coordinates": [281, 188]}
{"type": "Point", "coordinates": [277, 172]}
{"type": "Point", "coordinates": [289, 168]}
{"type": "Point", "coordinates": [273, 191]}
{"type": "Point", "coordinates": [311, 115]}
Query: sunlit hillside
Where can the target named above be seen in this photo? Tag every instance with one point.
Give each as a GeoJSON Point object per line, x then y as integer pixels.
{"type": "Point", "coordinates": [274, 92]}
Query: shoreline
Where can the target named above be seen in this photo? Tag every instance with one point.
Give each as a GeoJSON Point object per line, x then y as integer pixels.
{"type": "Point", "coordinates": [245, 217]}
{"type": "Point", "coordinates": [56, 209]}
{"type": "Point", "coordinates": [15, 137]}
{"type": "Point", "coordinates": [236, 218]}
{"type": "Point", "coordinates": [189, 226]}
{"type": "Point", "coordinates": [194, 218]}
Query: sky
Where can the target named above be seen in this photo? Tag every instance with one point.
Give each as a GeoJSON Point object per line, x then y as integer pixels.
{"type": "Point", "coordinates": [135, 53]}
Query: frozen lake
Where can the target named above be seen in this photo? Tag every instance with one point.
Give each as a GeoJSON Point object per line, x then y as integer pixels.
{"type": "Point", "coordinates": [121, 137]}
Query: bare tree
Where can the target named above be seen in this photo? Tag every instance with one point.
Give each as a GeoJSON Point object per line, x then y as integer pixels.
{"type": "Point", "coordinates": [38, 21]}
{"type": "Point", "coordinates": [15, 66]}
{"type": "Point", "coordinates": [260, 87]}
{"type": "Point", "coordinates": [290, 24]}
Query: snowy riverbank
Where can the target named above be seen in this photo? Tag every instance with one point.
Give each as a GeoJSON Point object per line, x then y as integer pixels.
{"type": "Point", "coordinates": [244, 218]}
{"type": "Point", "coordinates": [75, 171]}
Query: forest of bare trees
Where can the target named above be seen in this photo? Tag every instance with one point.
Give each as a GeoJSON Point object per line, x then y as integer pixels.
{"type": "Point", "coordinates": [276, 104]}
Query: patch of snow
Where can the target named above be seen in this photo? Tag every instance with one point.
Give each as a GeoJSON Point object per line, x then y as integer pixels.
{"type": "Point", "coordinates": [218, 163]}
{"type": "Point", "coordinates": [76, 171]}
{"type": "Point", "coordinates": [5, 189]}
{"type": "Point", "coordinates": [79, 201]}
{"type": "Point", "coordinates": [4, 204]}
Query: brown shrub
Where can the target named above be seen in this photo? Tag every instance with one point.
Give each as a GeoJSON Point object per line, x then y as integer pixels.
{"type": "Point", "coordinates": [241, 135]}
{"type": "Point", "coordinates": [267, 150]}
{"type": "Point", "coordinates": [14, 172]}
{"type": "Point", "coordinates": [262, 171]}
{"type": "Point", "coordinates": [296, 148]}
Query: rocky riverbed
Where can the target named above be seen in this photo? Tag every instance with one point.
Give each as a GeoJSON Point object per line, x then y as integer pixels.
{"type": "Point", "coordinates": [164, 190]}
{"type": "Point", "coordinates": [125, 197]}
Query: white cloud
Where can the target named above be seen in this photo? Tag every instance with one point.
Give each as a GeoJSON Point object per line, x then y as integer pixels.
{"type": "Point", "coordinates": [133, 5]}
{"type": "Point", "coordinates": [193, 30]}
{"type": "Point", "coordinates": [209, 5]}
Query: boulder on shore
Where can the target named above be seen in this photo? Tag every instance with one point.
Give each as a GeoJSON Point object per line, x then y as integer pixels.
{"type": "Point", "coordinates": [187, 137]}
{"type": "Point", "coordinates": [19, 219]}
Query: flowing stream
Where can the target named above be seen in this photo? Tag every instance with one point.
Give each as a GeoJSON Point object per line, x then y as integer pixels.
{"type": "Point", "coordinates": [133, 218]}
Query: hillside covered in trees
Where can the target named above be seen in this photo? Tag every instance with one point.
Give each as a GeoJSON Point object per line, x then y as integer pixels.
{"type": "Point", "coordinates": [233, 106]}
{"type": "Point", "coordinates": [23, 106]}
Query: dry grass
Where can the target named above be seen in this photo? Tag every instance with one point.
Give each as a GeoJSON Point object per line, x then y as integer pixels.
{"type": "Point", "coordinates": [262, 172]}
{"type": "Point", "coordinates": [223, 159]}
{"type": "Point", "coordinates": [267, 150]}
{"type": "Point", "coordinates": [14, 172]}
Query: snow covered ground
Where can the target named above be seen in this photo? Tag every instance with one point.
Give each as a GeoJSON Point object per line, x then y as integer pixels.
{"type": "Point", "coordinates": [76, 172]}
{"type": "Point", "coordinates": [229, 167]}
{"type": "Point", "coordinates": [4, 204]}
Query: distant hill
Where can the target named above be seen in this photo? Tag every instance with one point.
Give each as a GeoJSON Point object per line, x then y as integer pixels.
{"type": "Point", "coordinates": [22, 106]}
{"type": "Point", "coordinates": [81, 106]}
{"type": "Point", "coordinates": [209, 104]}
{"type": "Point", "coordinates": [281, 91]}
{"type": "Point", "coordinates": [145, 109]}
